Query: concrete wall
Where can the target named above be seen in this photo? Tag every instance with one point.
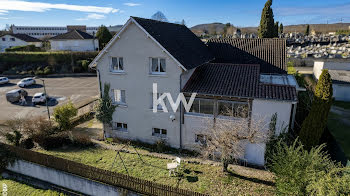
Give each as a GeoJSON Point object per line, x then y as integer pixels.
{"type": "Point", "coordinates": [8, 43]}
{"type": "Point", "coordinates": [74, 45]}
{"type": "Point", "coordinates": [66, 180]}
{"type": "Point", "coordinates": [136, 49]}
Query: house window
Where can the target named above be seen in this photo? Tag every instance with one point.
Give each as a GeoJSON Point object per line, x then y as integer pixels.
{"type": "Point", "coordinates": [234, 109]}
{"type": "Point", "coordinates": [200, 138]}
{"type": "Point", "coordinates": [157, 66]}
{"type": "Point", "coordinates": [117, 64]}
{"type": "Point", "coordinates": [12, 39]}
{"type": "Point", "coordinates": [202, 106]}
{"type": "Point", "coordinates": [119, 96]}
{"type": "Point", "coordinates": [159, 132]}
{"type": "Point", "coordinates": [120, 126]}
{"type": "Point", "coordinates": [3, 39]}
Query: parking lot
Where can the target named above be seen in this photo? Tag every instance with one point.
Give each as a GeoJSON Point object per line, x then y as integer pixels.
{"type": "Point", "coordinates": [60, 90]}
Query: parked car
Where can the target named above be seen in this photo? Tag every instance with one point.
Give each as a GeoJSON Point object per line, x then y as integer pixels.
{"type": "Point", "coordinates": [39, 98]}
{"type": "Point", "coordinates": [26, 82]}
{"type": "Point", "coordinates": [15, 95]}
{"type": "Point", "coordinates": [4, 80]}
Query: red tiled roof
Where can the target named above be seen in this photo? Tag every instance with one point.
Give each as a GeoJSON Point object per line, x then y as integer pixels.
{"type": "Point", "coordinates": [235, 80]}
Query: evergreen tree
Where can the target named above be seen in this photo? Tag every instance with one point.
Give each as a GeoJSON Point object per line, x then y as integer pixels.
{"type": "Point", "coordinates": [280, 30]}
{"type": "Point", "coordinates": [267, 23]}
{"type": "Point", "coordinates": [103, 35]}
{"type": "Point", "coordinates": [105, 107]}
{"type": "Point", "coordinates": [307, 30]}
{"type": "Point", "coordinates": [315, 123]}
{"type": "Point", "coordinates": [275, 32]}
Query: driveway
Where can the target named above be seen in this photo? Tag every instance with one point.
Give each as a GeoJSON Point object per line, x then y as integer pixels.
{"type": "Point", "coordinates": [60, 90]}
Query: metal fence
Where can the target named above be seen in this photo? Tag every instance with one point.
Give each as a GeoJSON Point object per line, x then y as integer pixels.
{"type": "Point", "coordinates": [112, 178]}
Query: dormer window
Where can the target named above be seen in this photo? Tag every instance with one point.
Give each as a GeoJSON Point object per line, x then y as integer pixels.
{"type": "Point", "coordinates": [117, 64]}
{"type": "Point", "coordinates": [157, 66]}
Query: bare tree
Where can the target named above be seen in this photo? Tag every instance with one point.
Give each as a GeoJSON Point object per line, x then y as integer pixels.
{"type": "Point", "coordinates": [225, 139]}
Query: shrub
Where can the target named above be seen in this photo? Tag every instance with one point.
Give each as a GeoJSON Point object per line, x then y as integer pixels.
{"type": "Point", "coordinates": [27, 143]}
{"type": "Point", "coordinates": [6, 157]}
{"type": "Point", "coordinates": [14, 138]}
{"type": "Point", "coordinates": [48, 70]}
{"type": "Point", "coordinates": [63, 115]}
{"type": "Point", "coordinates": [27, 48]}
{"type": "Point", "coordinates": [299, 172]}
{"type": "Point", "coordinates": [316, 121]}
{"type": "Point", "coordinates": [81, 140]}
{"type": "Point", "coordinates": [55, 141]}
{"type": "Point", "coordinates": [105, 107]}
{"type": "Point", "coordinates": [161, 146]}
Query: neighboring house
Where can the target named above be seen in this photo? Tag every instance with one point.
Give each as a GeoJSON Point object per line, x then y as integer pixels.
{"type": "Point", "coordinates": [11, 40]}
{"type": "Point", "coordinates": [340, 74]}
{"type": "Point", "coordinates": [74, 40]}
{"type": "Point", "coordinates": [247, 73]}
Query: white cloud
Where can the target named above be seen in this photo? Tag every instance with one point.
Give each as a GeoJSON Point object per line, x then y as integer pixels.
{"type": "Point", "coordinates": [19, 5]}
{"type": "Point", "coordinates": [92, 17]}
{"type": "Point", "coordinates": [3, 12]}
{"type": "Point", "coordinates": [132, 4]}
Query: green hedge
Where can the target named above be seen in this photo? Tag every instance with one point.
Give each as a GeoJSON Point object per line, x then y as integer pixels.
{"type": "Point", "coordinates": [16, 62]}
{"type": "Point", "coordinates": [28, 48]}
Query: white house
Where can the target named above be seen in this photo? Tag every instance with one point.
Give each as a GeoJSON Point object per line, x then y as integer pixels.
{"type": "Point", "coordinates": [74, 40]}
{"type": "Point", "coordinates": [222, 73]}
{"type": "Point", "coordinates": [340, 74]}
{"type": "Point", "coordinates": [11, 40]}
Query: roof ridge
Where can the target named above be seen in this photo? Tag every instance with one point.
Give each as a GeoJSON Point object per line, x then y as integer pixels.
{"type": "Point", "coordinates": [78, 31]}
{"type": "Point", "coordinates": [156, 20]}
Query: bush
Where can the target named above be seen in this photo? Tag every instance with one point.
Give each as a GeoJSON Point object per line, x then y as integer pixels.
{"type": "Point", "coordinates": [6, 157]}
{"type": "Point", "coordinates": [81, 140]}
{"type": "Point", "coordinates": [55, 141]}
{"type": "Point", "coordinates": [58, 61]}
{"type": "Point", "coordinates": [299, 172]}
{"type": "Point", "coordinates": [27, 48]}
{"type": "Point", "coordinates": [27, 143]}
{"type": "Point", "coordinates": [63, 115]}
{"type": "Point", "coordinates": [161, 146]}
{"type": "Point", "coordinates": [14, 138]}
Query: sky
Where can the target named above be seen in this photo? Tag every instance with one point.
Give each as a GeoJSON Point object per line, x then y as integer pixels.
{"type": "Point", "coordinates": [241, 13]}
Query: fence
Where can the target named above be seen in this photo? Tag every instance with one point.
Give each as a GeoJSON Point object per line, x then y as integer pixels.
{"type": "Point", "coordinates": [100, 175]}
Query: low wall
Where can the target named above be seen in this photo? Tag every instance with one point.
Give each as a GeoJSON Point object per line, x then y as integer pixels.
{"type": "Point", "coordinates": [66, 180]}
{"type": "Point", "coordinates": [309, 62]}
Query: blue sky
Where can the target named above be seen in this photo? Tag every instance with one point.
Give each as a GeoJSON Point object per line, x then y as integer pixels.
{"type": "Point", "coordinates": [240, 13]}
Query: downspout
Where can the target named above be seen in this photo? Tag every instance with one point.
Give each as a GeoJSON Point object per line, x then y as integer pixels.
{"type": "Point", "coordinates": [180, 115]}
{"type": "Point", "coordinates": [293, 115]}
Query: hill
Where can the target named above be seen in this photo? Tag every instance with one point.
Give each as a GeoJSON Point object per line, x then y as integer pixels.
{"type": "Point", "coordinates": [211, 28]}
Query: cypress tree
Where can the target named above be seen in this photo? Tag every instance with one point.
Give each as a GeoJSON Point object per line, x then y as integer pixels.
{"type": "Point", "coordinates": [275, 32]}
{"type": "Point", "coordinates": [281, 28]}
{"type": "Point", "coordinates": [315, 123]}
{"type": "Point", "coordinates": [103, 35]}
{"type": "Point", "coordinates": [307, 30]}
{"type": "Point", "coordinates": [267, 23]}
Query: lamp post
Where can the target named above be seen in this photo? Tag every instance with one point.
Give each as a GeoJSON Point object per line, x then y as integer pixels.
{"type": "Point", "coordinates": [47, 106]}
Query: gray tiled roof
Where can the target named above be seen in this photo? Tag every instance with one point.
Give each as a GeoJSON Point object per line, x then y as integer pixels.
{"type": "Point", "coordinates": [75, 34]}
{"type": "Point", "coordinates": [235, 80]}
{"type": "Point", "coordinates": [340, 76]}
{"type": "Point", "coordinates": [25, 37]}
{"type": "Point", "coordinates": [179, 41]}
{"type": "Point", "coordinates": [270, 54]}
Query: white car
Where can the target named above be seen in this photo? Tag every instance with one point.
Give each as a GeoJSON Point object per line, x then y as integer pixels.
{"type": "Point", "coordinates": [4, 80]}
{"type": "Point", "coordinates": [26, 82]}
{"type": "Point", "coordinates": [39, 98]}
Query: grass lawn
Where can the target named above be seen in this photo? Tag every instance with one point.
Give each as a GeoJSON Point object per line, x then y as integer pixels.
{"type": "Point", "coordinates": [340, 131]}
{"type": "Point", "coordinates": [197, 177]}
{"type": "Point", "coordinates": [16, 188]}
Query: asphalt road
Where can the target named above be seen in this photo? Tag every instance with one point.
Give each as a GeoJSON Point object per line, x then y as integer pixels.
{"type": "Point", "coordinates": [60, 90]}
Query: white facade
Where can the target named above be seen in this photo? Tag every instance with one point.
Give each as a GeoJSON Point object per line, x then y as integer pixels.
{"type": "Point", "coordinates": [48, 31]}
{"type": "Point", "coordinates": [341, 92]}
{"type": "Point", "coordinates": [136, 48]}
{"type": "Point", "coordinates": [9, 41]}
{"type": "Point", "coordinates": [74, 45]}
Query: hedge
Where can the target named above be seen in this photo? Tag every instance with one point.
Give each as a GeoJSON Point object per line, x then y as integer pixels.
{"type": "Point", "coordinates": [28, 48]}
{"type": "Point", "coordinates": [59, 61]}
